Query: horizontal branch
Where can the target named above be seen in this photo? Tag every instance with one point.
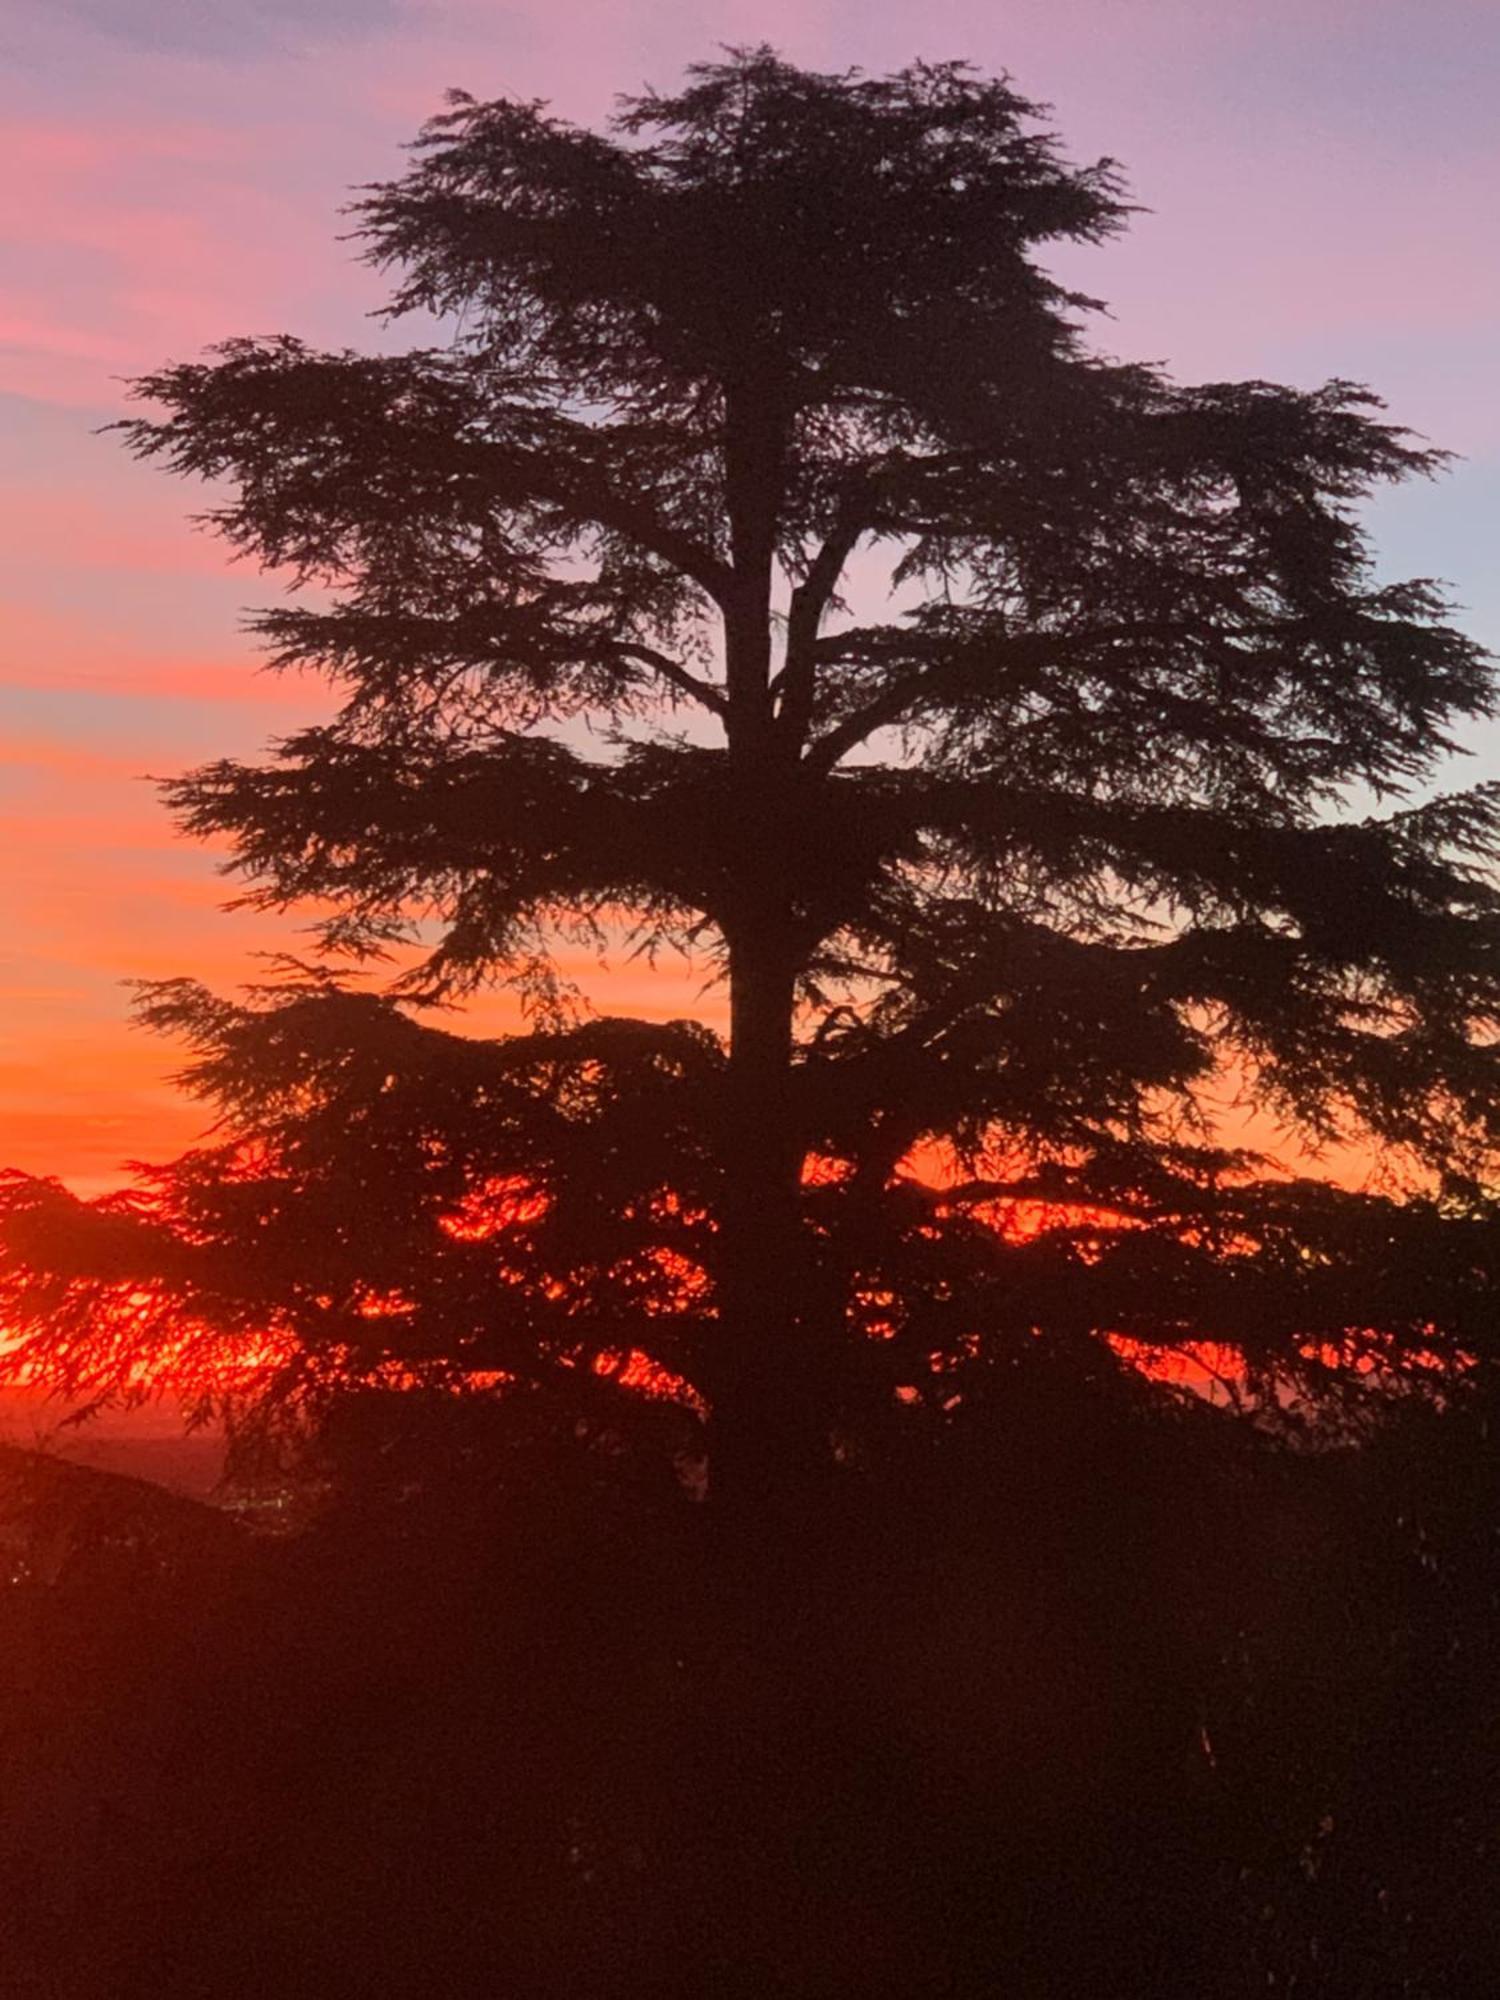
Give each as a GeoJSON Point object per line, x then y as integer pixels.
{"type": "Point", "coordinates": [675, 674]}
{"type": "Point", "coordinates": [966, 660]}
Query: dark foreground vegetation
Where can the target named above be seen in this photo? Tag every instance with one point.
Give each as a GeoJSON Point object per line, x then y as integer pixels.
{"type": "Point", "coordinates": [1110, 1697]}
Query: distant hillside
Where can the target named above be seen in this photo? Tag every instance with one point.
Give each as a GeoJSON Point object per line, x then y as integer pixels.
{"type": "Point", "coordinates": [145, 1443]}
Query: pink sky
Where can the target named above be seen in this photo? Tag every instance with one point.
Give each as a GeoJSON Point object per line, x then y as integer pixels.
{"type": "Point", "coordinates": [1323, 178]}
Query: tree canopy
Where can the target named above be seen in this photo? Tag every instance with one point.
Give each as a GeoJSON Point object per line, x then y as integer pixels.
{"type": "Point", "coordinates": [761, 560]}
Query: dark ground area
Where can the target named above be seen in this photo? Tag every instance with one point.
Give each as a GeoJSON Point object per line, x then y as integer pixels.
{"type": "Point", "coordinates": [1090, 1702]}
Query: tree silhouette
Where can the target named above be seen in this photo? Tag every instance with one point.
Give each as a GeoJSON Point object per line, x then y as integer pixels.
{"type": "Point", "coordinates": [764, 565]}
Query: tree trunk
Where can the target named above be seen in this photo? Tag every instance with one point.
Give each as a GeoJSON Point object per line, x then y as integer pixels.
{"type": "Point", "coordinates": [764, 1435]}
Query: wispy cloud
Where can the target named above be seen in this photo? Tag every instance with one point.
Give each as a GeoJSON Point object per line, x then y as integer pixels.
{"type": "Point", "coordinates": [229, 29]}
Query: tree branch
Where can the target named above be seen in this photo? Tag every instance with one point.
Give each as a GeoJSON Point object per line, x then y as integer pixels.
{"type": "Point", "coordinates": [596, 501]}
{"type": "Point", "coordinates": [674, 673]}
{"type": "Point", "coordinates": [888, 708]}
{"type": "Point", "coordinates": [973, 659]}
{"type": "Point", "coordinates": [796, 683]}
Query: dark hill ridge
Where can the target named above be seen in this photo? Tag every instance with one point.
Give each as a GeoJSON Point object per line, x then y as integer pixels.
{"type": "Point", "coordinates": [58, 1519]}
{"type": "Point", "coordinates": [148, 1440]}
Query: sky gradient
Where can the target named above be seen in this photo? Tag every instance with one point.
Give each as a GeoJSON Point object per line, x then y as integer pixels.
{"type": "Point", "coordinates": [1322, 179]}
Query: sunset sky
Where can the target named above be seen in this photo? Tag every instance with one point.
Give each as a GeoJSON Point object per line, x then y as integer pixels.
{"type": "Point", "coordinates": [1323, 178]}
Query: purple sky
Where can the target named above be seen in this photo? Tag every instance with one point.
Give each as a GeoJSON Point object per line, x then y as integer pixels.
{"type": "Point", "coordinates": [1323, 180]}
